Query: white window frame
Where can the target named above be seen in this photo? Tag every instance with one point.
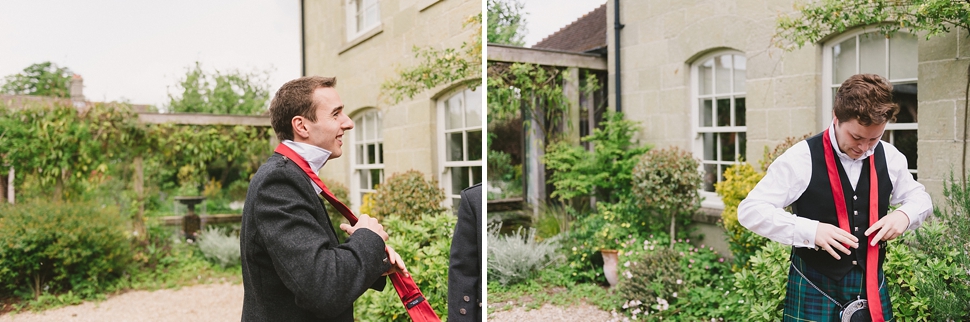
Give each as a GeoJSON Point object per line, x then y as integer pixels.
{"type": "Point", "coordinates": [357, 137]}
{"type": "Point", "coordinates": [445, 166]}
{"type": "Point", "coordinates": [828, 85]}
{"type": "Point", "coordinates": [352, 31]}
{"type": "Point", "coordinates": [711, 199]}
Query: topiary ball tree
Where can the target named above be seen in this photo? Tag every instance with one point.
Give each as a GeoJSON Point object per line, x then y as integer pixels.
{"type": "Point", "coordinates": [665, 182]}
{"type": "Point", "coordinates": [408, 195]}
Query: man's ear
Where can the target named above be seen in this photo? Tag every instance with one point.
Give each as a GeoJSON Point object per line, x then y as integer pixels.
{"type": "Point", "coordinates": [299, 127]}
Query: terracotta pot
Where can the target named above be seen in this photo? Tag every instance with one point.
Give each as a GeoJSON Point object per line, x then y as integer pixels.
{"type": "Point", "coordinates": [610, 259]}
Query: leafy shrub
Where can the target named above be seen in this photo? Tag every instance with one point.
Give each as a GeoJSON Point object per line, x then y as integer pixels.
{"type": "Point", "coordinates": [336, 218]}
{"type": "Point", "coordinates": [519, 256]}
{"type": "Point", "coordinates": [503, 175]}
{"type": "Point", "coordinates": [762, 283]}
{"type": "Point", "coordinates": [738, 181]}
{"type": "Point", "coordinates": [927, 276]}
{"type": "Point", "coordinates": [408, 195]}
{"type": "Point", "coordinates": [666, 182]}
{"type": "Point", "coordinates": [424, 245]}
{"type": "Point", "coordinates": [654, 277]}
{"type": "Point", "coordinates": [219, 247]}
{"type": "Point", "coordinates": [54, 246]}
{"type": "Point", "coordinates": [605, 172]}
{"type": "Point", "coordinates": [237, 190]}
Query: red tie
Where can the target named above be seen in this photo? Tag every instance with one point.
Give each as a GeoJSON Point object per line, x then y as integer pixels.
{"type": "Point", "coordinates": [872, 252]}
{"type": "Point", "coordinates": [415, 303]}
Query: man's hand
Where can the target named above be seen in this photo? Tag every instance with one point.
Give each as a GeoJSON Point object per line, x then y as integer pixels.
{"type": "Point", "coordinates": [365, 221]}
{"type": "Point", "coordinates": [889, 227]}
{"type": "Point", "coordinates": [397, 264]}
{"type": "Point", "coordinates": [831, 238]}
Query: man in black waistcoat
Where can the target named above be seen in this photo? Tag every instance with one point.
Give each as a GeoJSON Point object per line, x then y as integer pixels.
{"type": "Point", "coordinates": [294, 267]}
{"type": "Point", "coordinates": [840, 184]}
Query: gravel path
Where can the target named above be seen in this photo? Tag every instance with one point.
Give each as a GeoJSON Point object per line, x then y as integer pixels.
{"type": "Point", "coordinates": [578, 313]}
{"type": "Point", "coordinates": [209, 303]}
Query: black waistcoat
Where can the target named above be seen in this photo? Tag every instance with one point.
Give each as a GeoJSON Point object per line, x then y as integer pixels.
{"type": "Point", "coordinates": [817, 203]}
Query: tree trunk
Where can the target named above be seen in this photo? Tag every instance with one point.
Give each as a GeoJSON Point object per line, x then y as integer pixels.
{"type": "Point", "coordinates": [138, 223]}
{"type": "Point", "coordinates": [673, 220]}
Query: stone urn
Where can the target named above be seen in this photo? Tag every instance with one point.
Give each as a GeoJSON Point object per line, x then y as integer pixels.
{"type": "Point", "coordinates": [610, 259]}
{"type": "Point", "coordinates": [191, 223]}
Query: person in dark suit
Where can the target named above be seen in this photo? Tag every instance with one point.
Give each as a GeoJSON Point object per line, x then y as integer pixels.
{"type": "Point", "coordinates": [294, 267]}
{"type": "Point", "coordinates": [465, 270]}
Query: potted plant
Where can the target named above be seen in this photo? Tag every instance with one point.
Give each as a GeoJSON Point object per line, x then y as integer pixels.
{"type": "Point", "coordinates": [609, 238]}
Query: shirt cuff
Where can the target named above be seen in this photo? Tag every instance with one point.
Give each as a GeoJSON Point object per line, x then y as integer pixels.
{"type": "Point", "coordinates": [805, 230]}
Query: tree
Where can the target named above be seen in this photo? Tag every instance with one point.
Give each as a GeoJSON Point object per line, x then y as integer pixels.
{"type": "Point", "coordinates": [232, 92]}
{"type": "Point", "coordinates": [506, 22]}
{"type": "Point", "coordinates": [43, 79]}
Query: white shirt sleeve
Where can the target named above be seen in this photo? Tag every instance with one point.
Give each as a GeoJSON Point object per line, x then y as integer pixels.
{"type": "Point", "coordinates": [763, 210]}
{"type": "Point", "coordinates": [911, 196]}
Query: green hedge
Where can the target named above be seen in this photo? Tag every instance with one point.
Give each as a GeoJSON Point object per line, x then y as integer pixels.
{"type": "Point", "coordinates": [49, 247]}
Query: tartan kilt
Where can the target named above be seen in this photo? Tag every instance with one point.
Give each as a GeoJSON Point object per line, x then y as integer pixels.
{"type": "Point", "coordinates": [804, 303]}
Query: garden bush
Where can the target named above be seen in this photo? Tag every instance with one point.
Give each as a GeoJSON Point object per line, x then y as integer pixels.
{"type": "Point", "coordinates": [519, 256]}
{"type": "Point", "coordinates": [336, 218]}
{"type": "Point", "coordinates": [665, 182]}
{"type": "Point", "coordinates": [424, 245]}
{"type": "Point", "coordinates": [738, 181]}
{"type": "Point", "coordinates": [651, 279]}
{"type": "Point", "coordinates": [219, 246]}
{"type": "Point", "coordinates": [49, 247]}
{"type": "Point", "coordinates": [761, 285]}
{"type": "Point", "coordinates": [407, 195]}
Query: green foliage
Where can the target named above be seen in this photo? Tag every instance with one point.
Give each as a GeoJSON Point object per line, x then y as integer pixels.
{"type": "Point", "coordinates": [439, 66]}
{"type": "Point", "coordinates": [518, 257]}
{"type": "Point", "coordinates": [816, 20]}
{"type": "Point", "coordinates": [665, 182]}
{"type": "Point", "coordinates": [762, 284]}
{"type": "Point", "coordinates": [232, 92]}
{"type": "Point", "coordinates": [605, 172]}
{"type": "Point", "coordinates": [653, 277]}
{"type": "Point", "coordinates": [611, 227]}
{"type": "Point", "coordinates": [56, 246]}
{"type": "Point", "coordinates": [510, 85]}
{"type": "Point", "coordinates": [42, 79]}
{"type": "Point", "coordinates": [424, 245]}
{"type": "Point", "coordinates": [503, 175]}
{"type": "Point", "coordinates": [506, 22]}
{"type": "Point", "coordinates": [408, 195]}
{"type": "Point", "coordinates": [738, 181]}
{"type": "Point", "coordinates": [219, 247]}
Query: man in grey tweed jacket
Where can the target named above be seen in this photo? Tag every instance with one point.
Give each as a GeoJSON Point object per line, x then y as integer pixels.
{"type": "Point", "coordinates": [294, 267]}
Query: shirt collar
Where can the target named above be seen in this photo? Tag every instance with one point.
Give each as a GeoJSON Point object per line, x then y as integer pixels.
{"type": "Point", "coordinates": [316, 156]}
{"type": "Point", "coordinates": [838, 150]}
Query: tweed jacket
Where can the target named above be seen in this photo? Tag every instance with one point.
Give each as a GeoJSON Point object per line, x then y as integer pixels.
{"type": "Point", "coordinates": [465, 269]}
{"type": "Point", "coordinates": [294, 268]}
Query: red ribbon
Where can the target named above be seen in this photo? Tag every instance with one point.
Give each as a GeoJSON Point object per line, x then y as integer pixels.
{"type": "Point", "coordinates": [872, 253]}
{"type": "Point", "coordinates": [414, 301]}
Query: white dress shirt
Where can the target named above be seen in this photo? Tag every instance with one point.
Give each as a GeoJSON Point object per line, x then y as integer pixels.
{"type": "Point", "coordinates": [316, 156]}
{"type": "Point", "coordinates": [788, 177]}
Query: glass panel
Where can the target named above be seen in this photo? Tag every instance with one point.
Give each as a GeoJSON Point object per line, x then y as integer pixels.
{"type": "Point", "coordinates": [905, 96]}
{"type": "Point", "coordinates": [380, 153]}
{"type": "Point", "coordinates": [474, 145]}
{"type": "Point", "coordinates": [473, 108]}
{"type": "Point", "coordinates": [740, 73]}
{"type": "Point", "coordinates": [453, 112]}
{"type": "Point", "coordinates": [709, 146]}
{"type": "Point", "coordinates": [379, 123]}
{"type": "Point", "coordinates": [373, 14]}
{"type": "Point", "coordinates": [360, 22]}
{"type": "Point", "coordinates": [476, 175]}
{"type": "Point", "coordinates": [371, 126]}
{"type": "Point", "coordinates": [707, 112]}
{"type": "Point", "coordinates": [905, 141]}
{"type": "Point", "coordinates": [371, 153]}
{"type": "Point", "coordinates": [903, 51]}
{"type": "Point", "coordinates": [742, 144]}
{"type": "Point", "coordinates": [724, 112]}
{"type": "Point", "coordinates": [705, 73]}
{"type": "Point", "coordinates": [843, 61]}
{"type": "Point", "coordinates": [739, 112]}
{"type": "Point", "coordinates": [710, 177]}
{"type": "Point", "coordinates": [364, 180]}
{"type": "Point", "coordinates": [722, 74]}
{"type": "Point", "coordinates": [375, 178]}
{"type": "Point", "coordinates": [459, 179]}
{"type": "Point", "coordinates": [360, 154]}
{"type": "Point", "coordinates": [727, 146]}
{"type": "Point", "coordinates": [872, 54]}
{"type": "Point", "coordinates": [454, 146]}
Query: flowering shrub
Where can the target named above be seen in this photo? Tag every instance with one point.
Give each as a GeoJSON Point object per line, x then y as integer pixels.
{"type": "Point", "coordinates": [517, 257]}
{"type": "Point", "coordinates": [665, 183]}
{"type": "Point", "coordinates": [407, 195]}
{"type": "Point", "coordinates": [738, 181]}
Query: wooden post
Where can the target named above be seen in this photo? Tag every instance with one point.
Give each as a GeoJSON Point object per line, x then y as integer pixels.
{"type": "Point", "coordinates": [10, 188]}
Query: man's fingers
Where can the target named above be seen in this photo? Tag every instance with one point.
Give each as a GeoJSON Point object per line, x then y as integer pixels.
{"type": "Point", "coordinates": [346, 228]}
{"type": "Point", "coordinates": [874, 227]}
{"type": "Point", "coordinates": [878, 237]}
{"type": "Point", "coordinates": [841, 248]}
{"type": "Point", "coordinates": [831, 252]}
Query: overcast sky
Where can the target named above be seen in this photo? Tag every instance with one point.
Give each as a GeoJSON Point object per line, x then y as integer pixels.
{"type": "Point", "coordinates": [544, 17]}
{"type": "Point", "coordinates": [137, 50]}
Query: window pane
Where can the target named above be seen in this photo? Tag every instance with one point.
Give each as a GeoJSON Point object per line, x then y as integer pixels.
{"type": "Point", "coordinates": [473, 108]}
{"type": "Point", "coordinates": [476, 175]}
{"type": "Point", "coordinates": [740, 73]}
{"type": "Point", "coordinates": [742, 143]}
{"type": "Point", "coordinates": [364, 179]}
{"type": "Point", "coordinates": [459, 179]}
{"type": "Point", "coordinates": [706, 73]}
{"type": "Point", "coordinates": [905, 96]}
{"type": "Point", "coordinates": [379, 124]}
{"type": "Point", "coordinates": [360, 154]}
{"type": "Point", "coordinates": [722, 74]}
{"type": "Point", "coordinates": [905, 141]}
{"type": "Point", "coordinates": [380, 153]}
{"type": "Point", "coordinates": [710, 177]}
{"type": "Point", "coordinates": [454, 146]}
{"type": "Point", "coordinates": [371, 153]}
{"type": "Point", "coordinates": [453, 112]}
{"type": "Point", "coordinates": [370, 126]}
{"type": "Point", "coordinates": [739, 111]}
{"type": "Point", "coordinates": [843, 60]}
{"type": "Point", "coordinates": [474, 145]}
{"type": "Point", "coordinates": [903, 50]}
{"type": "Point", "coordinates": [709, 146]}
{"type": "Point", "coordinates": [727, 146]}
{"type": "Point", "coordinates": [375, 178]}
{"type": "Point", "coordinates": [872, 54]}
{"type": "Point", "coordinates": [707, 112]}
{"type": "Point", "coordinates": [724, 112]}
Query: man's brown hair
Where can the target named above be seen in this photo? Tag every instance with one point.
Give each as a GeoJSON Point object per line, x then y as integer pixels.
{"type": "Point", "coordinates": [295, 98]}
{"type": "Point", "coordinates": [867, 98]}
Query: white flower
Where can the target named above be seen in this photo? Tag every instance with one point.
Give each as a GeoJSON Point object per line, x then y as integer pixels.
{"type": "Point", "coordinates": [679, 281]}
{"type": "Point", "coordinates": [675, 294]}
{"type": "Point", "coordinates": [627, 264]}
{"type": "Point", "coordinates": [741, 301]}
{"type": "Point", "coordinates": [628, 274]}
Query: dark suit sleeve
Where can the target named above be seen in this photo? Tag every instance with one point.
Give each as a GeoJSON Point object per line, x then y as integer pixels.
{"type": "Point", "coordinates": [324, 275]}
{"type": "Point", "coordinates": [465, 270]}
